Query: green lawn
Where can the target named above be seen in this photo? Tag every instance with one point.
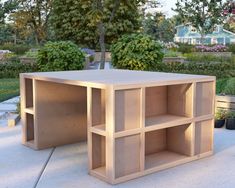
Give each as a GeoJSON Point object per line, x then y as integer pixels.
{"type": "Point", "coordinates": [8, 88]}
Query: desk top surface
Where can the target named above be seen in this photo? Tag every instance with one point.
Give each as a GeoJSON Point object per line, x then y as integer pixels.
{"type": "Point", "coordinates": [117, 77]}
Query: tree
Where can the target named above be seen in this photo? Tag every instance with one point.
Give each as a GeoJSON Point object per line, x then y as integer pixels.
{"type": "Point", "coordinates": [159, 27]}
{"type": "Point", "coordinates": [31, 18]}
{"type": "Point", "coordinates": [92, 22]}
{"type": "Point", "coordinates": [202, 14]}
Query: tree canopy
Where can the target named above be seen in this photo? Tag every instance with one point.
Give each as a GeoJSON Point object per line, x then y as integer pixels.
{"type": "Point", "coordinates": [202, 14]}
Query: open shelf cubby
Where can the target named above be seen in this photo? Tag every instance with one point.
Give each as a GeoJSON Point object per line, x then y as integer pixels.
{"type": "Point", "coordinates": [127, 109]}
{"type": "Point", "coordinates": [98, 108]}
{"type": "Point", "coordinates": [169, 103]}
{"type": "Point", "coordinates": [203, 136]}
{"type": "Point", "coordinates": [29, 127]}
{"type": "Point", "coordinates": [98, 154]}
{"type": "Point", "coordinates": [167, 145]}
{"type": "Point", "coordinates": [29, 93]}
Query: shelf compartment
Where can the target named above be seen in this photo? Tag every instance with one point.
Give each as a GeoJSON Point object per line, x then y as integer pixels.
{"type": "Point", "coordinates": [98, 108]}
{"type": "Point", "coordinates": [127, 109]}
{"type": "Point", "coordinates": [204, 98]}
{"type": "Point", "coordinates": [127, 155]}
{"type": "Point", "coordinates": [168, 145]}
{"type": "Point", "coordinates": [28, 93]}
{"type": "Point", "coordinates": [162, 158]}
{"type": "Point", "coordinates": [98, 154]}
{"type": "Point", "coordinates": [29, 127]}
{"type": "Point", "coordinates": [168, 103]}
{"type": "Point", "coordinates": [166, 118]}
{"type": "Point", "coordinates": [203, 136]}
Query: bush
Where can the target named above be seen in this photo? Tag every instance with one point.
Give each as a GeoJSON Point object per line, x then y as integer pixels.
{"type": "Point", "coordinates": [220, 70]}
{"type": "Point", "coordinates": [215, 48]}
{"type": "Point", "coordinates": [220, 114]}
{"type": "Point", "coordinates": [60, 56]}
{"type": "Point", "coordinates": [231, 48]}
{"type": "Point", "coordinates": [18, 49]}
{"type": "Point", "coordinates": [185, 48]}
{"type": "Point", "coordinates": [12, 70]}
{"type": "Point", "coordinates": [136, 52]}
{"type": "Point", "coordinates": [230, 87]}
{"type": "Point", "coordinates": [206, 58]}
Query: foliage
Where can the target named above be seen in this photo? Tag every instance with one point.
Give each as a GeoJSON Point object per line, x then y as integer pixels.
{"type": "Point", "coordinates": [31, 18]}
{"type": "Point", "coordinates": [6, 33]}
{"type": "Point", "coordinates": [185, 48]}
{"type": "Point", "coordinates": [159, 27]}
{"type": "Point", "coordinates": [60, 56]}
{"type": "Point", "coordinates": [7, 7]}
{"type": "Point", "coordinates": [136, 52]}
{"type": "Point", "coordinates": [76, 20]}
{"type": "Point", "coordinates": [207, 58]}
{"type": "Point", "coordinates": [202, 14]}
{"type": "Point", "coordinates": [169, 53]}
{"type": "Point", "coordinates": [215, 48]}
{"type": "Point", "coordinates": [171, 46]}
{"type": "Point", "coordinates": [231, 48]}
{"type": "Point", "coordinates": [230, 115]}
{"type": "Point", "coordinates": [220, 85]}
{"type": "Point", "coordinates": [17, 49]}
{"type": "Point", "coordinates": [8, 88]}
{"type": "Point", "coordinates": [220, 114]}
{"type": "Point", "coordinates": [230, 87]}
{"type": "Point", "coordinates": [220, 70]}
{"type": "Point", "coordinates": [31, 53]}
{"type": "Point", "coordinates": [12, 70]}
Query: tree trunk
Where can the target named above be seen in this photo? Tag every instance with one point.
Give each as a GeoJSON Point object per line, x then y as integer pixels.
{"type": "Point", "coordinates": [102, 44]}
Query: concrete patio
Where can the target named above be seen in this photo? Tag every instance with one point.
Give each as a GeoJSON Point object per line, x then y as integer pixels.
{"type": "Point", "coordinates": [66, 166]}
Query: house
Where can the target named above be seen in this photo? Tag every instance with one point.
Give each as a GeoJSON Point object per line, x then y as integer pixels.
{"type": "Point", "coordinates": [188, 34]}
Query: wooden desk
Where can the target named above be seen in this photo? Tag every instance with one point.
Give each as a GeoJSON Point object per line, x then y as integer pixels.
{"type": "Point", "coordinates": [135, 122]}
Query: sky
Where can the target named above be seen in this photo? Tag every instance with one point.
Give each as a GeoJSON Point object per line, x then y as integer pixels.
{"type": "Point", "coordinates": [166, 7]}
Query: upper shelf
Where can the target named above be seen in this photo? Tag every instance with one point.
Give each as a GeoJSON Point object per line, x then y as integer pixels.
{"type": "Point", "coordinates": [166, 119]}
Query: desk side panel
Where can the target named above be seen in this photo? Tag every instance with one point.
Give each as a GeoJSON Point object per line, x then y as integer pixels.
{"type": "Point", "coordinates": [60, 114]}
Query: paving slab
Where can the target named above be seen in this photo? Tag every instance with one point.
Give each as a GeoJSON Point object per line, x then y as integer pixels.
{"type": "Point", "coordinates": [20, 166]}
{"type": "Point", "coordinates": [67, 168]}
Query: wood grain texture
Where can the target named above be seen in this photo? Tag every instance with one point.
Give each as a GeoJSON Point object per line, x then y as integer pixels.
{"type": "Point", "coordinates": [61, 114]}
{"type": "Point", "coordinates": [127, 155]}
{"type": "Point", "coordinates": [98, 152]}
{"type": "Point", "coordinates": [204, 98]}
{"type": "Point", "coordinates": [203, 136]}
{"type": "Point", "coordinates": [127, 109]}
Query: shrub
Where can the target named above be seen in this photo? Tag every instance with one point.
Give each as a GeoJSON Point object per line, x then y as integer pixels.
{"type": "Point", "coordinates": [18, 49]}
{"type": "Point", "coordinates": [59, 56]}
{"type": "Point", "coordinates": [12, 70]}
{"type": "Point", "coordinates": [220, 114]}
{"type": "Point", "coordinates": [231, 48]}
{"type": "Point", "coordinates": [220, 70]}
{"type": "Point", "coordinates": [202, 58]}
{"type": "Point", "coordinates": [185, 48]}
{"type": "Point", "coordinates": [170, 53]}
{"type": "Point", "coordinates": [230, 87]}
{"type": "Point", "coordinates": [136, 52]}
{"type": "Point", "coordinates": [215, 48]}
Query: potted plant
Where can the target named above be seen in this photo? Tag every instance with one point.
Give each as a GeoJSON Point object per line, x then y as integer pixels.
{"type": "Point", "coordinates": [220, 116]}
{"type": "Point", "coordinates": [230, 122]}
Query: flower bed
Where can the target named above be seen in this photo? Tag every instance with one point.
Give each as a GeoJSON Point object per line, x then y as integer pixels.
{"type": "Point", "coordinates": [216, 48]}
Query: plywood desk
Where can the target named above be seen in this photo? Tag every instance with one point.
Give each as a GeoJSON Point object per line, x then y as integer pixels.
{"type": "Point", "coordinates": [135, 122]}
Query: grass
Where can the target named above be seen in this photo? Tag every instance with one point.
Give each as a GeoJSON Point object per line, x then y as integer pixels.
{"type": "Point", "coordinates": [8, 88]}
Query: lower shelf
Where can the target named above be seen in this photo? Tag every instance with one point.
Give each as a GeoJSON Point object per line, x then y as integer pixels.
{"type": "Point", "coordinates": [100, 171]}
{"type": "Point", "coordinates": [161, 158]}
